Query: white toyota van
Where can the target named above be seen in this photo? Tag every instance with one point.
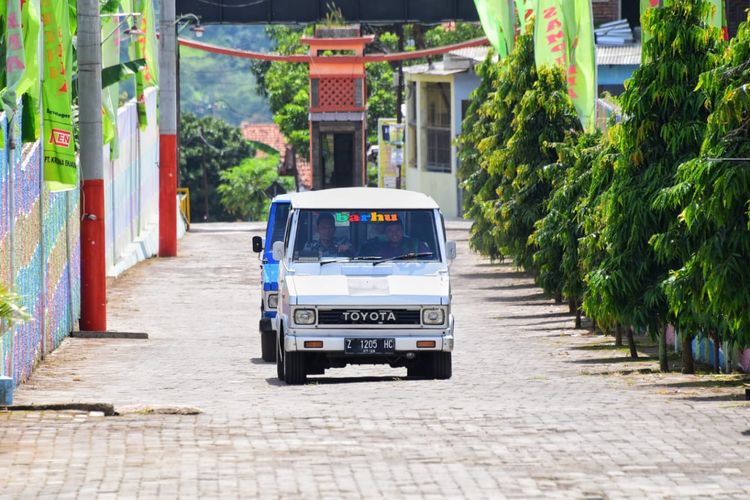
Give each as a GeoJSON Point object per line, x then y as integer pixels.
{"type": "Point", "coordinates": [363, 279]}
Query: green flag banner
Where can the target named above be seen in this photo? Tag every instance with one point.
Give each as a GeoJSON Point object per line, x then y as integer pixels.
{"type": "Point", "coordinates": [582, 73]}
{"type": "Point", "coordinates": [32, 85]}
{"type": "Point", "coordinates": [110, 95]}
{"type": "Point", "coordinates": [497, 18]}
{"type": "Point", "coordinates": [719, 16]}
{"type": "Point", "coordinates": [145, 48]}
{"type": "Point", "coordinates": [550, 35]}
{"type": "Point", "coordinates": [564, 36]}
{"type": "Point", "coordinates": [524, 11]}
{"type": "Point", "coordinates": [60, 170]}
{"type": "Point", "coordinates": [15, 68]}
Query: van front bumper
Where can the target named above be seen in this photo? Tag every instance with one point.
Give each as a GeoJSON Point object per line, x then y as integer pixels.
{"type": "Point", "coordinates": [406, 340]}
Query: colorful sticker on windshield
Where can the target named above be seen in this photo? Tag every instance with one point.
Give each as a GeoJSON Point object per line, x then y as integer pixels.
{"type": "Point", "coordinates": [343, 217]}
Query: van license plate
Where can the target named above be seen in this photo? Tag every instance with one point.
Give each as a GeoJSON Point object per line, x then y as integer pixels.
{"type": "Point", "coordinates": [369, 346]}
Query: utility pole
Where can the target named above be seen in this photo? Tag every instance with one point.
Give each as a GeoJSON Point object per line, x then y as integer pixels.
{"type": "Point", "coordinates": [167, 130]}
{"type": "Point", "coordinates": [93, 262]}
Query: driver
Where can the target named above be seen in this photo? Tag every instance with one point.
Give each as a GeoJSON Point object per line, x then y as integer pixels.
{"type": "Point", "coordinates": [327, 245]}
{"type": "Point", "coordinates": [397, 244]}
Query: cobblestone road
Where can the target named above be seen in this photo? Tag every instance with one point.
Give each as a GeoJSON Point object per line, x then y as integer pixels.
{"type": "Point", "coordinates": [534, 408]}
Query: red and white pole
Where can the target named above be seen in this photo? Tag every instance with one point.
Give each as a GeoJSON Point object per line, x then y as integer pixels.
{"type": "Point", "coordinates": [167, 130]}
{"type": "Point", "coordinates": [93, 261]}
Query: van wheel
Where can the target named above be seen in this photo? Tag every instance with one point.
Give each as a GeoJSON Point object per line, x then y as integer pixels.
{"type": "Point", "coordinates": [280, 355]}
{"type": "Point", "coordinates": [268, 346]}
{"type": "Point", "coordinates": [294, 368]}
{"type": "Point", "coordinates": [442, 365]}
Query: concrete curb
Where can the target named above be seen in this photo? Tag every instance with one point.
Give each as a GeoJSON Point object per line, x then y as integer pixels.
{"type": "Point", "coordinates": [109, 335]}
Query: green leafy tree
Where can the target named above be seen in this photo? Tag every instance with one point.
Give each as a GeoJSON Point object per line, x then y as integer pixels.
{"type": "Point", "coordinates": [546, 114]}
{"type": "Point", "coordinates": [475, 180]}
{"type": "Point", "coordinates": [243, 188]}
{"type": "Point", "coordinates": [486, 131]}
{"type": "Point", "coordinates": [708, 292]}
{"type": "Point", "coordinates": [208, 146]}
{"type": "Point", "coordinates": [558, 233]}
{"type": "Point", "coordinates": [663, 124]}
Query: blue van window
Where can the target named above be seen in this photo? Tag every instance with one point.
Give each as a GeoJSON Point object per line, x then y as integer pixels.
{"type": "Point", "coordinates": [279, 222]}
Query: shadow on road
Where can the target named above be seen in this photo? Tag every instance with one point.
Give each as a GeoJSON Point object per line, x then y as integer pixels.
{"type": "Point", "coordinates": [493, 276]}
{"type": "Point", "coordinates": [533, 299]}
{"type": "Point", "coordinates": [604, 361]}
{"type": "Point", "coordinates": [344, 380]}
{"type": "Point", "coordinates": [259, 361]}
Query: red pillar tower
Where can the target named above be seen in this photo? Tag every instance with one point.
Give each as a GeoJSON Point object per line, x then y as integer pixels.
{"type": "Point", "coordinates": [338, 106]}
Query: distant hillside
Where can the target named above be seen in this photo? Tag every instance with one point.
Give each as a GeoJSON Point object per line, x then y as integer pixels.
{"type": "Point", "coordinates": [222, 86]}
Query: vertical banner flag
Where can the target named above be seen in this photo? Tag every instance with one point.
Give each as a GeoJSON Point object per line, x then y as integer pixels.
{"type": "Point", "coordinates": [498, 23]}
{"type": "Point", "coordinates": [582, 73]}
{"type": "Point", "coordinates": [60, 171]}
{"type": "Point", "coordinates": [32, 86]}
{"type": "Point", "coordinates": [525, 9]}
{"type": "Point", "coordinates": [550, 40]}
{"type": "Point", "coordinates": [564, 36]}
{"type": "Point", "coordinates": [145, 48]}
{"type": "Point", "coordinates": [719, 17]}
{"type": "Point", "coordinates": [110, 95]}
{"type": "Point", "coordinates": [15, 68]}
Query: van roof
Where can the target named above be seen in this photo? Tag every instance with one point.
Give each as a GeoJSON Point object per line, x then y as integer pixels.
{"type": "Point", "coordinates": [282, 198]}
{"type": "Point", "coordinates": [362, 198]}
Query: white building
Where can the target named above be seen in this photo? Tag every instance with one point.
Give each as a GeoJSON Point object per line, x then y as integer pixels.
{"type": "Point", "coordinates": [437, 96]}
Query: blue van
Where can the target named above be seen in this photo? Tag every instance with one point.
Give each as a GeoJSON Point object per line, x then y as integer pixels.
{"type": "Point", "coordinates": [277, 215]}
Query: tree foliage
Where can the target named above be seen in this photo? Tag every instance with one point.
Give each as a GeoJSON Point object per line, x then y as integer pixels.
{"type": "Point", "coordinates": [708, 292]}
{"type": "Point", "coordinates": [527, 163]}
{"type": "Point", "coordinates": [208, 146]}
{"type": "Point", "coordinates": [558, 233]}
{"type": "Point", "coordinates": [485, 133]}
{"type": "Point", "coordinates": [243, 187]}
{"type": "Point", "coordinates": [663, 124]}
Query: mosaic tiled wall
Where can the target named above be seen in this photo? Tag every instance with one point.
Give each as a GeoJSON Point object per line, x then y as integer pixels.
{"type": "Point", "coordinates": [40, 245]}
{"type": "Point", "coordinates": [39, 255]}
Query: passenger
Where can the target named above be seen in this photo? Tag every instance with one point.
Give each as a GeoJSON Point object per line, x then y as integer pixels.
{"type": "Point", "coordinates": [397, 244]}
{"type": "Point", "coordinates": [327, 245]}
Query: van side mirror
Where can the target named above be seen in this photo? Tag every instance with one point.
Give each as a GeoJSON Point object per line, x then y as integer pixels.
{"type": "Point", "coordinates": [257, 244]}
{"type": "Point", "coordinates": [278, 250]}
{"type": "Point", "coordinates": [450, 249]}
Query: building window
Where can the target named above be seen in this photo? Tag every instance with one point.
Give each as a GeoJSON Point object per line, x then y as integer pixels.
{"type": "Point", "coordinates": [438, 126]}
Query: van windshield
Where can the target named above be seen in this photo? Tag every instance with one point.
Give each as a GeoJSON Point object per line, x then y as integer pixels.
{"type": "Point", "coordinates": [325, 235]}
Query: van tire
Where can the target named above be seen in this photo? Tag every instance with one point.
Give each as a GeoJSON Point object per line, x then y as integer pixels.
{"type": "Point", "coordinates": [294, 368]}
{"type": "Point", "coordinates": [442, 365]}
{"type": "Point", "coordinates": [268, 346]}
{"type": "Point", "coordinates": [280, 355]}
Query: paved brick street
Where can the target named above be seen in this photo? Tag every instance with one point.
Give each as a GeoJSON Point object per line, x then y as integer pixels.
{"type": "Point", "coordinates": [534, 408]}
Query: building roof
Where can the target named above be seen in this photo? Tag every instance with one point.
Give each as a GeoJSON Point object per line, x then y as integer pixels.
{"type": "Point", "coordinates": [270, 134]}
{"type": "Point", "coordinates": [436, 69]}
{"type": "Point", "coordinates": [362, 198]}
{"type": "Point", "coordinates": [628, 55]}
{"type": "Point", "coordinates": [476, 54]}
{"type": "Point", "coordinates": [618, 55]}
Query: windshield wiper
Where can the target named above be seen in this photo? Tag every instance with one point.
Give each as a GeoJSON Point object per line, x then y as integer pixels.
{"type": "Point", "coordinates": [406, 256]}
{"type": "Point", "coordinates": [338, 259]}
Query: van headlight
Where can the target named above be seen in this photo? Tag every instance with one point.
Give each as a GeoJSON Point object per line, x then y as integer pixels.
{"type": "Point", "coordinates": [273, 300]}
{"type": "Point", "coordinates": [433, 316]}
{"type": "Point", "coordinates": [304, 316]}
